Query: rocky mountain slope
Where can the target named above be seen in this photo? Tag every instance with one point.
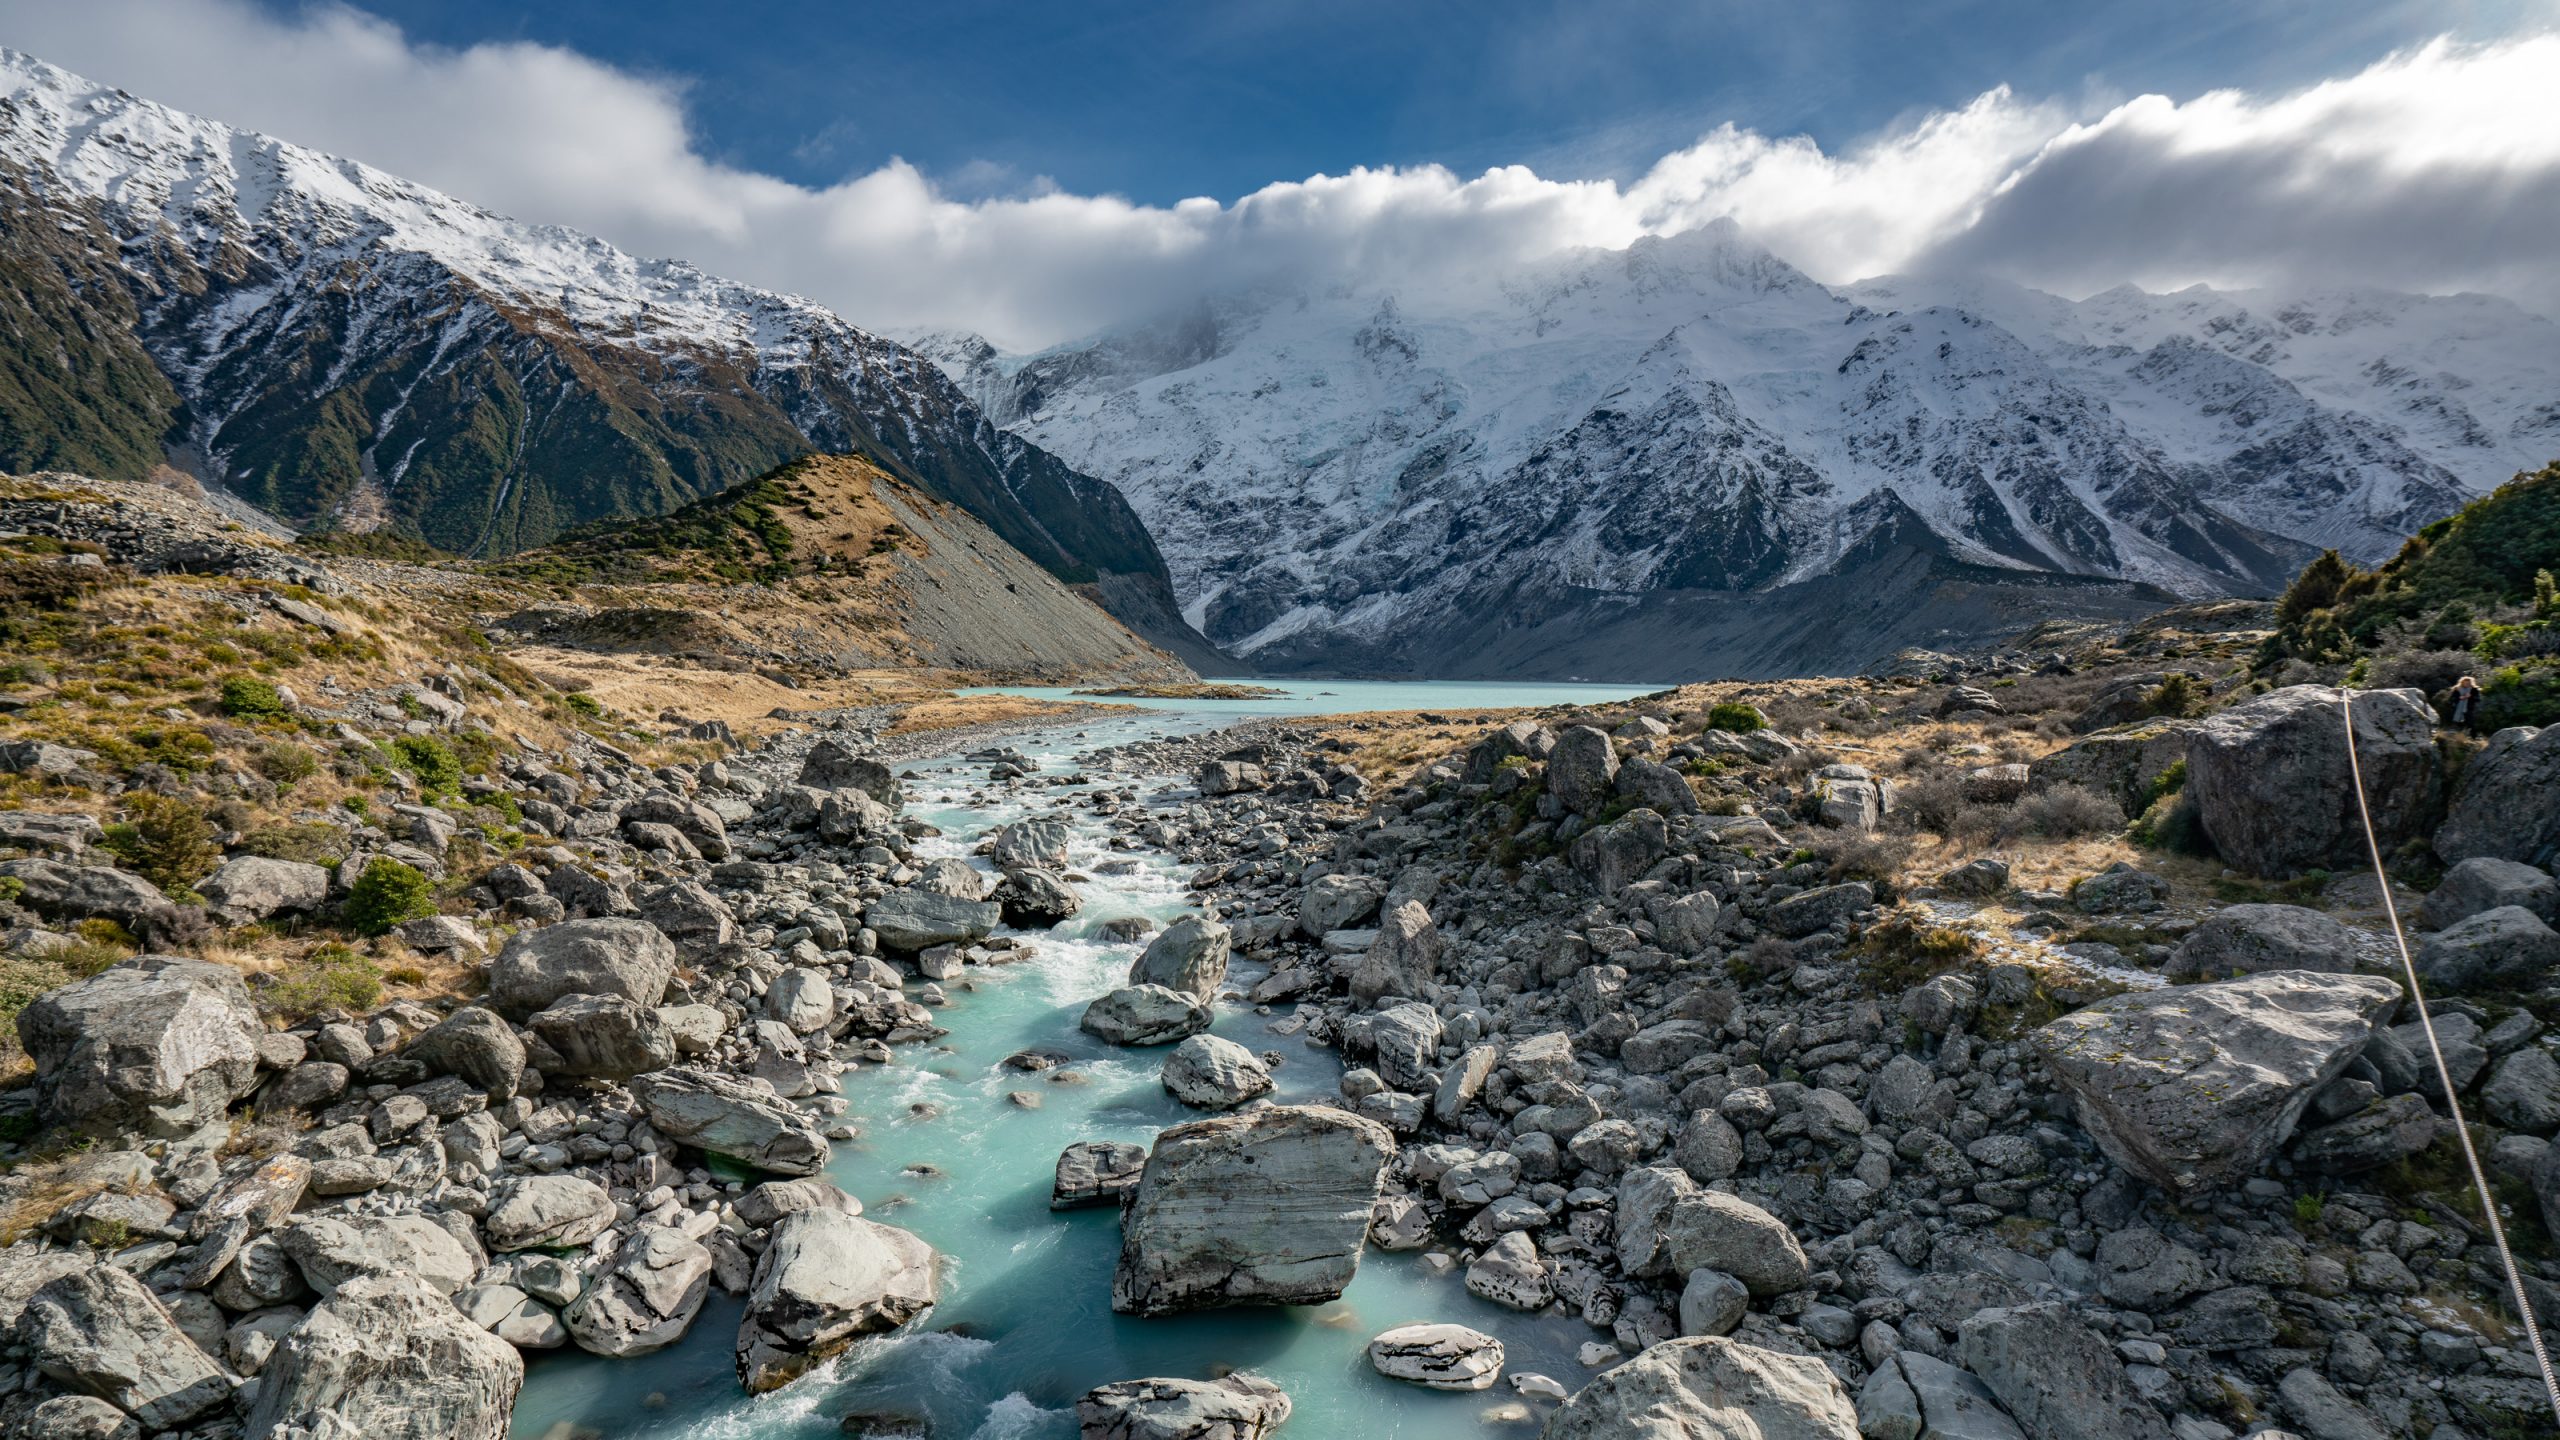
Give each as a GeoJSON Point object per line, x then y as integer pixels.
{"type": "Point", "coordinates": [342, 347]}
{"type": "Point", "coordinates": [1563, 469]}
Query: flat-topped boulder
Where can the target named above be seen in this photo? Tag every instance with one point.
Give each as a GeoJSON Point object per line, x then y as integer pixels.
{"type": "Point", "coordinates": [1145, 1015]}
{"type": "Point", "coordinates": [2249, 939]}
{"type": "Point", "coordinates": [1096, 1172]}
{"type": "Point", "coordinates": [607, 955]}
{"type": "Point", "coordinates": [2196, 1086]}
{"type": "Point", "coordinates": [1238, 1407]}
{"type": "Point", "coordinates": [825, 1280]}
{"type": "Point", "coordinates": [1709, 1388]}
{"type": "Point", "coordinates": [160, 1044]}
{"type": "Point", "coordinates": [253, 887]}
{"type": "Point", "coordinates": [914, 919]}
{"type": "Point", "coordinates": [60, 891]}
{"type": "Point", "coordinates": [1438, 1357]}
{"type": "Point", "coordinates": [1266, 1208]}
{"type": "Point", "coordinates": [737, 1116]}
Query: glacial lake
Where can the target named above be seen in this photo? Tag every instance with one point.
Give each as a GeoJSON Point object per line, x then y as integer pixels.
{"type": "Point", "coordinates": [1025, 1323]}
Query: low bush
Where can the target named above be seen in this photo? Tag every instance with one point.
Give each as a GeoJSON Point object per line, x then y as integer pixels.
{"type": "Point", "coordinates": [246, 697]}
{"type": "Point", "coordinates": [165, 839]}
{"type": "Point", "coordinates": [286, 763]}
{"type": "Point", "coordinates": [388, 893]}
{"type": "Point", "coordinates": [429, 761]}
{"type": "Point", "coordinates": [313, 842]}
{"type": "Point", "coordinates": [1739, 718]}
{"type": "Point", "coordinates": [332, 977]}
{"type": "Point", "coordinates": [2068, 812]}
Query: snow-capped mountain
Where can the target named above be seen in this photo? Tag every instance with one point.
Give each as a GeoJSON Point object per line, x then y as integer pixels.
{"type": "Point", "coordinates": [337, 344]}
{"type": "Point", "coordinates": [1687, 454]}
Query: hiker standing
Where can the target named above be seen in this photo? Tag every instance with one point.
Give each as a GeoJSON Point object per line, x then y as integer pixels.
{"type": "Point", "coordinates": [2462, 707]}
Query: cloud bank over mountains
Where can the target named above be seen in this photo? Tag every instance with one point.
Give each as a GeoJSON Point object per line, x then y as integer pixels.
{"type": "Point", "coordinates": [2434, 169]}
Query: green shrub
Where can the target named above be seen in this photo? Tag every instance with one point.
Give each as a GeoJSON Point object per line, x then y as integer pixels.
{"type": "Point", "coordinates": [2171, 822]}
{"type": "Point", "coordinates": [1737, 717]}
{"type": "Point", "coordinates": [388, 893]}
{"type": "Point", "coordinates": [332, 977]}
{"type": "Point", "coordinates": [430, 761]}
{"type": "Point", "coordinates": [2521, 695]}
{"type": "Point", "coordinates": [246, 697]}
{"type": "Point", "coordinates": [286, 763]}
{"type": "Point", "coordinates": [584, 704]}
{"type": "Point", "coordinates": [166, 840]}
{"type": "Point", "coordinates": [313, 842]}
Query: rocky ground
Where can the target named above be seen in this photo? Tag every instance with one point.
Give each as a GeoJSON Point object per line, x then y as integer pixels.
{"type": "Point", "coordinates": [1752, 1027]}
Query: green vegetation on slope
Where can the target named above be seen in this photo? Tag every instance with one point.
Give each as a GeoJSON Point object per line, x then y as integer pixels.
{"type": "Point", "coordinates": [77, 392]}
{"type": "Point", "coordinates": [2469, 594]}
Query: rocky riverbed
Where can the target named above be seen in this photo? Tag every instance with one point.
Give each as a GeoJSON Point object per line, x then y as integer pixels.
{"type": "Point", "coordinates": [1613, 1064]}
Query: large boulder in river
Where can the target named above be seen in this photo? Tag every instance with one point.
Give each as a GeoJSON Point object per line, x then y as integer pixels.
{"type": "Point", "coordinates": [387, 1358]}
{"type": "Point", "coordinates": [2250, 939]}
{"type": "Point", "coordinates": [1031, 844]}
{"type": "Point", "coordinates": [2508, 807]}
{"type": "Point", "coordinates": [2195, 1086]}
{"type": "Point", "coordinates": [1210, 1073]}
{"type": "Point", "coordinates": [1708, 1388]}
{"type": "Point", "coordinates": [739, 1116]}
{"type": "Point", "coordinates": [1190, 956]}
{"type": "Point", "coordinates": [101, 1332]}
{"type": "Point", "coordinates": [1035, 899]}
{"type": "Point", "coordinates": [1239, 1407]}
{"type": "Point", "coordinates": [825, 1280]}
{"type": "Point", "coordinates": [159, 1044]}
{"type": "Point", "coordinates": [1438, 1357]}
{"type": "Point", "coordinates": [609, 955]}
{"type": "Point", "coordinates": [913, 919]}
{"type": "Point", "coordinates": [2271, 783]}
{"type": "Point", "coordinates": [1266, 1208]}
{"type": "Point", "coordinates": [1145, 1015]}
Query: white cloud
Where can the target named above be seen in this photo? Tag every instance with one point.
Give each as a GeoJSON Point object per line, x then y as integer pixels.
{"type": "Point", "coordinates": [2437, 169]}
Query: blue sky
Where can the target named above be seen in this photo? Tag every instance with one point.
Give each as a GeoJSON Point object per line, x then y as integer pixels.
{"type": "Point", "coordinates": [1036, 173]}
{"type": "Point", "coordinates": [1162, 101]}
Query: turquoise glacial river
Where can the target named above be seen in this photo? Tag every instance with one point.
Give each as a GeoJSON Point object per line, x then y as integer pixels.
{"type": "Point", "coordinates": [1025, 1324]}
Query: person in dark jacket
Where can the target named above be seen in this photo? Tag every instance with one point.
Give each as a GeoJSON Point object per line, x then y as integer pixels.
{"type": "Point", "coordinates": [2462, 706]}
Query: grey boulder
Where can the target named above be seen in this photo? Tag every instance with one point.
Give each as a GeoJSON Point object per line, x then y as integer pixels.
{"type": "Point", "coordinates": [2195, 1086]}
{"type": "Point", "coordinates": [1337, 902]}
{"type": "Point", "coordinates": [1912, 1396]}
{"type": "Point", "coordinates": [77, 892]}
{"type": "Point", "coordinates": [475, 1044]}
{"type": "Point", "coordinates": [1031, 845]}
{"type": "Point", "coordinates": [1238, 1407]}
{"type": "Point", "coordinates": [2270, 778]}
{"type": "Point", "coordinates": [1145, 1015]}
{"type": "Point", "coordinates": [1189, 956]}
{"type": "Point", "coordinates": [910, 920]}
{"type": "Point", "coordinates": [645, 1296]}
{"type": "Point", "coordinates": [2055, 1376]}
{"type": "Point", "coordinates": [825, 1280]}
{"type": "Point", "coordinates": [1210, 1073]}
{"type": "Point", "coordinates": [609, 955]}
{"type": "Point", "coordinates": [1438, 1357]}
{"type": "Point", "coordinates": [741, 1117]}
{"type": "Point", "coordinates": [2485, 882]}
{"type": "Point", "coordinates": [100, 1332]}
{"type": "Point", "coordinates": [1266, 1208]}
{"type": "Point", "coordinates": [2250, 939]}
{"type": "Point", "coordinates": [245, 888]}
{"type": "Point", "coordinates": [605, 1037]}
{"type": "Point", "coordinates": [2508, 806]}
{"type": "Point", "coordinates": [1582, 770]}
{"type": "Point", "coordinates": [547, 1212]}
{"type": "Point", "coordinates": [2506, 947]}
{"type": "Point", "coordinates": [1096, 1172]}
{"type": "Point", "coordinates": [1706, 1388]}
{"type": "Point", "coordinates": [1670, 1225]}
{"type": "Point", "coordinates": [387, 1358]}
{"type": "Point", "coordinates": [1403, 959]}
{"type": "Point", "coordinates": [158, 1044]}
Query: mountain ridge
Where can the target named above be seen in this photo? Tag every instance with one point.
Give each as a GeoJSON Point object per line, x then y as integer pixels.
{"type": "Point", "coordinates": [340, 346]}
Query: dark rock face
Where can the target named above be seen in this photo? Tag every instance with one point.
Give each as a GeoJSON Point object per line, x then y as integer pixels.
{"type": "Point", "coordinates": [2270, 777]}
{"type": "Point", "coordinates": [2509, 805]}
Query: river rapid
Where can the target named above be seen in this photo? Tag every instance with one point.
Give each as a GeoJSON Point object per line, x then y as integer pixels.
{"type": "Point", "coordinates": [1025, 1323]}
